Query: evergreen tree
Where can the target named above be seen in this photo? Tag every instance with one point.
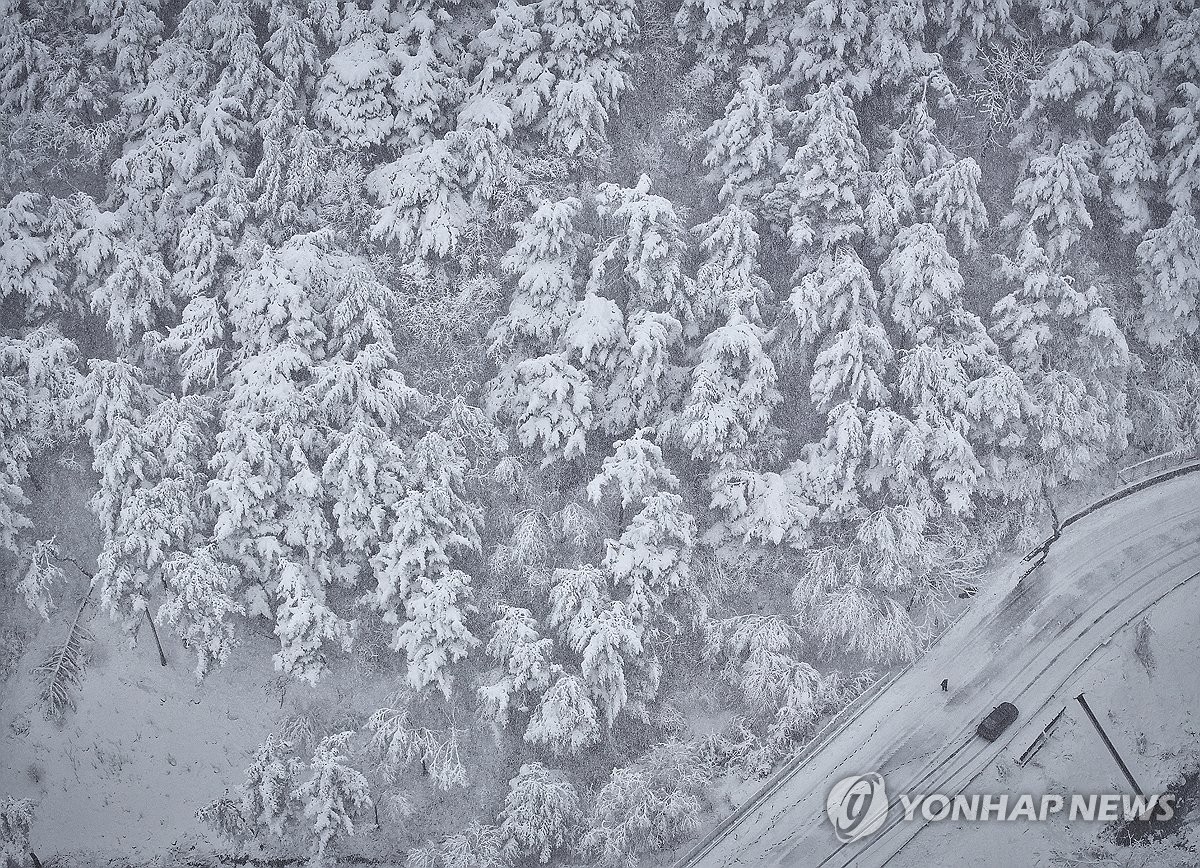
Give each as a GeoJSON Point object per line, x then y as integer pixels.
{"type": "Point", "coordinates": [817, 201]}
{"type": "Point", "coordinates": [648, 247]}
{"type": "Point", "coordinates": [425, 63]}
{"type": "Point", "coordinates": [743, 154]}
{"type": "Point", "coordinates": [129, 31]}
{"type": "Point", "coordinates": [543, 263]}
{"type": "Point", "coordinates": [526, 658]}
{"type": "Point", "coordinates": [334, 796]}
{"type": "Point", "coordinates": [588, 44]}
{"type": "Point", "coordinates": [950, 197]}
{"type": "Point", "coordinates": [291, 51]}
{"type": "Point", "coordinates": [890, 200]}
{"type": "Point", "coordinates": [549, 401]}
{"type": "Point", "coordinates": [268, 796]}
{"type": "Point", "coordinates": [432, 194]}
{"type": "Point", "coordinates": [1052, 197]}
{"type": "Point", "coordinates": [733, 391]}
{"type": "Point", "coordinates": [304, 623]}
{"type": "Point", "coordinates": [1072, 357]}
{"type": "Point", "coordinates": [134, 294]}
{"type": "Point", "coordinates": [198, 605]}
{"type": "Point", "coordinates": [1128, 168]}
{"type": "Point", "coordinates": [565, 718]}
{"type": "Point", "coordinates": [607, 645]}
{"type": "Point", "coordinates": [973, 23]}
{"type": "Point", "coordinates": [653, 555]}
{"type": "Point", "coordinates": [1169, 274]}
{"type": "Point", "coordinates": [27, 265]}
{"type": "Point", "coordinates": [728, 280]}
{"type": "Point", "coordinates": [829, 36]}
{"type": "Point", "coordinates": [511, 84]}
{"type": "Point", "coordinates": [353, 99]}
{"type": "Point", "coordinates": [1182, 142]}
{"type": "Point", "coordinates": [637, 469]}
{"type": "Point", "coordinates": [541, 811]}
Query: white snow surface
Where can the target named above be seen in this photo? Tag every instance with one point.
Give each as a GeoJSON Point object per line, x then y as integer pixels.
{"type": "Point", "coordinates": [1034, 642]}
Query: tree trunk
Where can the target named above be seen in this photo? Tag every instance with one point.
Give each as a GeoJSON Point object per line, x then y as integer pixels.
{"type": "Point", "coordinates": [162, 658]}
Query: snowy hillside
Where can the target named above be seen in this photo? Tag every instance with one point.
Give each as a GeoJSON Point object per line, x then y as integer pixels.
{"type": "Point", "coordinates": [461, 432]}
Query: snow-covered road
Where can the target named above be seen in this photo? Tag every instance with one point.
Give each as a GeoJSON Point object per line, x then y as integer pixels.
{"type": "Point", "coordinates": [1022, 641]}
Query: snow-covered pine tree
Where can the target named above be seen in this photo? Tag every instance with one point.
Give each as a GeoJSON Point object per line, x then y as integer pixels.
{"type": "Point", "coordinates": [198, 605]}
{"type": "Point", "coordinates": [732, 392]}
{"type": "Point", "coordinates": [642, 262]}
{"type": "Point", "coordinates": [744, 155]}
{"type": "Point", "coordinates": [828, 38]}
{"type": "Point", "coordinates": [14, 459]}
{"type": "Point", "coordinates": [645, 383]}
{"type": "Point", "coordinates": [288, 176]}
{"type": "Point", "coordinates": [291, 51]}
{"type": "Point", "coordinates": [1182, 142]}
{"type": "Point", "coordinates": [28, 269]}
{"type": "Point", "coordinates": [891, 200]}
{"type": "Point", "coordinates": [1072, 357]}
{"type": "Point", "coordinates": [549, 402]}
{"type": "Point", "coordinates": [636, 468]}
{"type": "Point", "coordinates": [817, 201]}
{"type": "Point", "coordinates": [1169, 275]}
{"type": "Point", "coordinates": [304, 622]}
{"type": "Point", "coordinates": [652, 557]}
{"type": "Point", "coordinates": [606, 646]}
{"type": "Point", "coordinates": [510, 85]}
{"type": "Point", "coordinates": [1127, 171]}
{"type": "Point", "coordinates": [728, 280]}
{"type": "Point", "coordinates": [565, 719]}
{"type": "Point", "coordinates": [268, 800]}
{"type": "Point", "coordinates": [426, 63]}
{"type": "Point", "coordinates": [543, 263]}
{"type": "Point", "coordinates": [129, 31]}
{"type": "Point", "coordinates": [540, 815]}
{"type": "Point", "coordinates": [135, 294]}
{"type": "Point", "coordinates": [239, 59]}
{"type": "Point", "coordinates": [944, 349]}
{"type": "Point", "coordinates": [334, 797]}
{"type": "Point", "coordinates": [972, 23]}
{"type": "Point", "coordinates": [1052, 197]}
{"type": "Point", "coordinates": [834, 324]}
{"type": "Point", "coordinates": [526, 660]}
{"type": "Point", "coordinates": [1085, 92]}
{"type": "Point", "coordinates": [353, 96]}
{"type": "Point", "coordinates": [950, 200]}
{"type": "Point", "coordinates": [433, 193]}
{"type": "Point", "coordinates": [588, 46]}
{"type": "Point", "coordinates": [417, 588]}
{"type": "Point", "coordinates": [720, 37]}
{"type": "Point", "coordinates": [577, 597]}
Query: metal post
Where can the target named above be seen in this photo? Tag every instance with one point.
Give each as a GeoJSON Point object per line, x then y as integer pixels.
{"type": "Point", "coordinates": [1108, 743]}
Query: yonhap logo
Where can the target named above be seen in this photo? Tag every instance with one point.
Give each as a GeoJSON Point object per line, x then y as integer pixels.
{"type": "Point", "coordinates": [857, 806]}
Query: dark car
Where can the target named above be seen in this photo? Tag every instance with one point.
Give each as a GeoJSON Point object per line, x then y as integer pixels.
{"type": "Point", "coordinates": [996, 722]}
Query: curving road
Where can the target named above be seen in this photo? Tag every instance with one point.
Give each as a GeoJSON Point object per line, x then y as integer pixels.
{"type": "Point", "coordinates": [1022, 641]}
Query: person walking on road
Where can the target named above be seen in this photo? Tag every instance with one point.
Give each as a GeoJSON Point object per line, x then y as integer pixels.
{"type": "Point", "coordinates": [945, 685]}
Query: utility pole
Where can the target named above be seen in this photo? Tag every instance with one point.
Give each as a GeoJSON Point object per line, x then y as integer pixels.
{"type": "Point", "coordinates": [1108, 743]}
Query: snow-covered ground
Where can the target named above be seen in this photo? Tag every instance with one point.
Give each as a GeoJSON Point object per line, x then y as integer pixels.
{"type": "Point", "coordinates": [1035, 642]}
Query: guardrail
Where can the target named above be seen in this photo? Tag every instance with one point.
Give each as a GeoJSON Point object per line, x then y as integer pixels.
{"type": "Point", "coordinates": [1154, 463]}
{"type": "Point", "coordinates": [846, 715]}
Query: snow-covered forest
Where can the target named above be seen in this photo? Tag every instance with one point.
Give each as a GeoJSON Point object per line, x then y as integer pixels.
{"type": "Point", "coordinates": [627, 382]}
